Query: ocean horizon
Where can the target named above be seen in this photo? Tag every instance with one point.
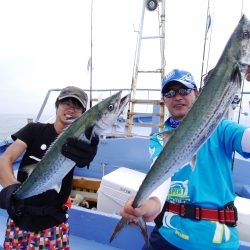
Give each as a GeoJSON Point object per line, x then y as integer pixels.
{"type": "Point", "coordinates": [11, 123]}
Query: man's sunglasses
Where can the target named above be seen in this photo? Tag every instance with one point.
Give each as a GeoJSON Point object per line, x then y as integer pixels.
{"type": "Point", "coordinates": [172, 92]}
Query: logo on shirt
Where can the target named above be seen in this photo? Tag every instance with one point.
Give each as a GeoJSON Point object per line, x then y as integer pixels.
{"type": "Point", "coordinates": [178, 192]}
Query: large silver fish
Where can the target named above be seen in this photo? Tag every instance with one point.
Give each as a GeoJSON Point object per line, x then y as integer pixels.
{"type": "Point", "coordinates": [221, 85]}
{"type": "Point", "coordinates": [53, 167]}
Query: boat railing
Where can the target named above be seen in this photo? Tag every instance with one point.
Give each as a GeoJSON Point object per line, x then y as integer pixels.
{"type": "Point", "coordinates": [148, 118]}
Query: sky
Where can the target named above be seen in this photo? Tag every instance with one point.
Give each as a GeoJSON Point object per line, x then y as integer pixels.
{"type": "Point", "coordinates": [46, 44]}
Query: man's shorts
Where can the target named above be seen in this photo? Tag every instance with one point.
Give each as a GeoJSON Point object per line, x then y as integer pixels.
{"type": "Point", "coordinates": [157, 242]}
{"type": "Point", "coordinates": [53, 238]}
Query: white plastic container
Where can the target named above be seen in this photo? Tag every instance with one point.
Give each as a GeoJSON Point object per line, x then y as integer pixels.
{"type": "Point", "coordinates": [243, 224]}
{"type": "Point", "coordinates": [116, 187]}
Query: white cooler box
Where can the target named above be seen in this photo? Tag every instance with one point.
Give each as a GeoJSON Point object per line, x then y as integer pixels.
{"type": "Point", "coordinates": [116, 187]}
{"type": "Point", "coordinates": [243, 224]}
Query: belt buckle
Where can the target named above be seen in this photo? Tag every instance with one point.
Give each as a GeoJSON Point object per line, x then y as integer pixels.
{"type": "Point", "coordinates": [232, 208]}
{"type": "Point", "coordinates": [233, 224]}
{"type": "Point", "coordinates": [190, 211]}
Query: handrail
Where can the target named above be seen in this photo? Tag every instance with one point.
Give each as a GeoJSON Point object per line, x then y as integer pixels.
{"type": "Point", "coordinates": [142, 101]}
{"type": "Point", "coordinates": [44, 103]}
{"type": "Point", "coordinates": [93, 99]}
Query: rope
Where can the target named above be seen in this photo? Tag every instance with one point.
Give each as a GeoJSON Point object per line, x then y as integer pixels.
{"type": "Point", "coordinates": [210, 39]}
{"type": "Point", "coordinates": [205, 39]}
{"type": "Point", "coordinates": [242, 4]}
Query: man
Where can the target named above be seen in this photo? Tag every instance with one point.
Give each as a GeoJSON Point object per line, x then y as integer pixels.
{"type": "Point", "coordinates": [43, 216]}
{"type": "Point", "coordinates": [207, 189]}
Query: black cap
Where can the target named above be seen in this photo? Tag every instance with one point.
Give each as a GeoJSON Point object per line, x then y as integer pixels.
{"type": "Point", "coordinates": [74, 92]}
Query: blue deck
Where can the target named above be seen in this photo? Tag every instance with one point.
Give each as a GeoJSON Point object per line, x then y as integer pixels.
{"type": "Point", "coordinates": [100, 227]}
{"type": "Point", "coordinates": [92, 230]}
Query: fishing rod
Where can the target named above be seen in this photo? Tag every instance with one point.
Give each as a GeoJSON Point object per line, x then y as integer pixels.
{"type": "Point", "coordinates": [91, 56]}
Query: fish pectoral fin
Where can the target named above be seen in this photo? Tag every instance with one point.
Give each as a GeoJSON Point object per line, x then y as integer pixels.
{"type": "Point", "coordinates": [89, 132]}
{"type": "Point", "coordinates": [193, 162]}
{"type": "Point", "coordinates": [123, 222]}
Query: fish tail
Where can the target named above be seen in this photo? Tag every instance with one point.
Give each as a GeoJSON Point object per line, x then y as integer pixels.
{"type": "Point", "coordinates": [120, 225]}
{"type": "Point", "coordinates": [144, 230]}
{"type": "Point", "coordinates": [123, 222]}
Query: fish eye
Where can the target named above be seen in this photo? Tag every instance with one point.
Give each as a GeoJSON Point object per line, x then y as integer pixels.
{"type": "Point", "coordinates": [246, 35]}
{"type": "Point", "coordinates": [111, 107]}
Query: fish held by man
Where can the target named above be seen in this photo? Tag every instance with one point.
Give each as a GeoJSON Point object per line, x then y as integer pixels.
{"type": "Point", "coordinates": [50, 171]}
{"type": "Point", "coordinates": [221, 84]}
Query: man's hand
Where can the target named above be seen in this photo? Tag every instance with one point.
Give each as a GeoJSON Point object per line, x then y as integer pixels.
{"type": "Point", "coordinates": [82, 153]}
{"type": "Point", "coordinates": [248, 73]}
{"type": "Point", "coordinates": [149, 209]}
{"type": "Point", "coordinates": [7, 201]}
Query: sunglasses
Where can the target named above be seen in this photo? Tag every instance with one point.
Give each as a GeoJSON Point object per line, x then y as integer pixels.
{"type": "Point", "coordinates": [172, 92]}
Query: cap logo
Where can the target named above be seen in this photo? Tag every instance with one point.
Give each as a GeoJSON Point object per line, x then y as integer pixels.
{"type": "Point", "coordinates": [181, 76]}
{"type": "Point", "coordinates": [187, 78]}
{"type": "Point", "coordinates": [169, 75]}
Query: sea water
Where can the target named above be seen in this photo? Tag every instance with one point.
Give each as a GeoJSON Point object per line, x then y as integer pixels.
{"type": "Point", "coordinates": [10, 123]}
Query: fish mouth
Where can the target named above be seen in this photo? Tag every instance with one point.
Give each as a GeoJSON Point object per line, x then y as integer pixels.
{"type": "Point", "coordinates": [105, 120]}
{"type": "Point", "coordinates": [119, 109]}
{"type": "Point", "coordinates": [123, 103]}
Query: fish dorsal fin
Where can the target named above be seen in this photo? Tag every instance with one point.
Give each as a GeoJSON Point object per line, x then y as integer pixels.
{"type": "Point", "coordinates": [236, 75]}
{"type": "Point", "coordinates": [28, 169]}
{"type": "Point", "coordinates": [166, 135]}
{"type": "Point", "coordinates": [206, 77]}
{"type": "Point", "coordinates": [56, 187]}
